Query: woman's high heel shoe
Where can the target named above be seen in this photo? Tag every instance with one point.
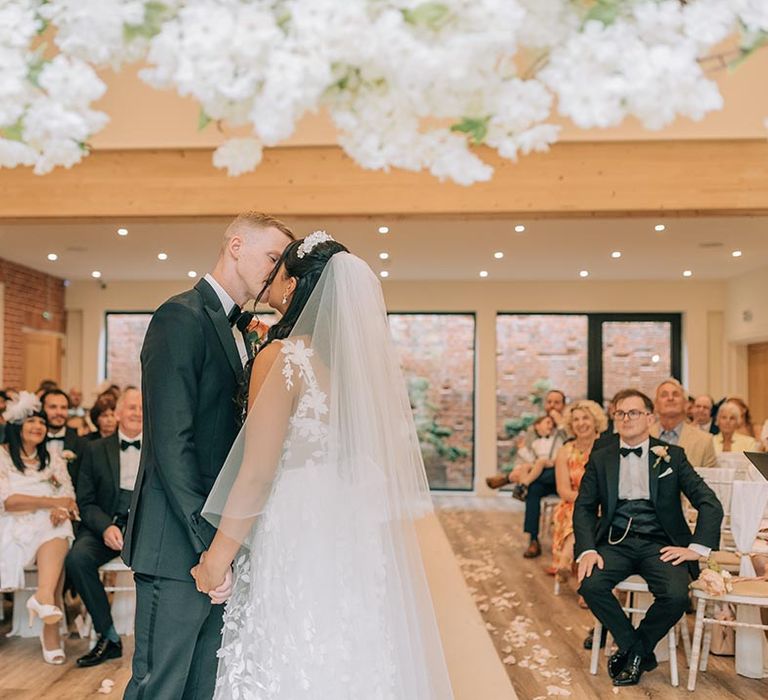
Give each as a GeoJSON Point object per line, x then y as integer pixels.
{"type": "Point", "coordinates": [49, 614]}
{"type": "Point", "coordinates": [52, 656]}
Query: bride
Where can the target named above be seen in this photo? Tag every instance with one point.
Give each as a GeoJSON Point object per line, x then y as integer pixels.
{"type": "Point", "coordinates": [316, 503]}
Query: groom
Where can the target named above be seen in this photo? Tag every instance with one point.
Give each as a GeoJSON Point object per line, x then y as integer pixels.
{"type": "Point", "coordinates": [192, 362]}
{"type": "Point", "coordinates": [628, 519]}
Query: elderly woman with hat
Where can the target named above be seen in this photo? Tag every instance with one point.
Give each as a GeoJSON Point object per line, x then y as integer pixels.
{"type": "Point", "coordinates": [37, 505]}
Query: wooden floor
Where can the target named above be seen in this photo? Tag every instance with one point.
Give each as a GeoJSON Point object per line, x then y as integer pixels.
{"type": "Point", "coordinates": [539, 635]}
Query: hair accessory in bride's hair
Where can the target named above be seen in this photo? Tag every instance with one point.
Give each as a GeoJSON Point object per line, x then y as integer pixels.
{"type": "Point", "coordinates": [311, 241]}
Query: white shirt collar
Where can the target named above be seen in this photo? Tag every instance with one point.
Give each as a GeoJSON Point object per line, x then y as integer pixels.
{"type": "Point", "coordinates": [61, 432]}
{"type": "Point", "coordinates": [122, 436]}
{"type": "Point", "coordinates": [226, 301]}
{"type": "Point", "coordinates": [644, 446]}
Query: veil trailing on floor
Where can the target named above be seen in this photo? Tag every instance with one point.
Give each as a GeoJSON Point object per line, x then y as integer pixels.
{"type": "Point", "coordinates": [330, 436]}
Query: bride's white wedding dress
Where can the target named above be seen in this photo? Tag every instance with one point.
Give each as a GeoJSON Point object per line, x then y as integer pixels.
{"type": "Point", "coordinates": [330, 601]}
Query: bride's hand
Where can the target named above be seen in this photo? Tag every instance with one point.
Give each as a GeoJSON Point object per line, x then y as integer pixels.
{"type": "Point", "coordinates": [207, 574]}
{"type": "Point", "coordinates": [221, 594]}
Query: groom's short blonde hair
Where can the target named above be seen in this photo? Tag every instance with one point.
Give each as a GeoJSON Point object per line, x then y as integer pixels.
{"type": "Point", "coordinates": [254, 221]}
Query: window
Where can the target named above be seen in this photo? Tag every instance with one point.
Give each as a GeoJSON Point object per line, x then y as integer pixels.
{"type": "Point", "coordinates": [124, 338]}
{"type": "Point", "coordinates": [437, 353]}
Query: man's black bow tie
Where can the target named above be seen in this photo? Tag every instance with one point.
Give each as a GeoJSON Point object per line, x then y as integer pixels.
{"type": "Point", "coordinates": [626, 451]}
{"type": "Point", "coordinates": [243, 321]}
{"type": "Point", "coordinates": [51, 438]}
{"type": "Point", "coordinates": [234, 314]}
{"type": "Point", "coordinates": [124, 444]}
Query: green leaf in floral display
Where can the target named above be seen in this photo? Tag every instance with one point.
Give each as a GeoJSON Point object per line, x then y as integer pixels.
{"type": "Point", "coordinates": [155, 13]}
{"type": "Point", "coordinates": [475, 129]}
{"type": "Point", "coordinates": [433, 15]}
{"type": "Point", "coordinates": [14, 132]}
{"type": "Point", "coordinates": [750, 42]}
{"type": "Point", "coordinates": [203, 120]}
{"type": "Point", "coordinates": [605, 11]}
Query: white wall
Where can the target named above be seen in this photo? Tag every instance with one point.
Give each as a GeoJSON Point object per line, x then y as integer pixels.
{"type": "Point", "coordinates": [703, 305]}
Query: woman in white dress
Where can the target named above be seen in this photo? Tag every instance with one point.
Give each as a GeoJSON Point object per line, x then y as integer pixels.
{"type": "Point", "coordinates": [37, 504]}
{"type": "Point", "coordinates": [316, 503]}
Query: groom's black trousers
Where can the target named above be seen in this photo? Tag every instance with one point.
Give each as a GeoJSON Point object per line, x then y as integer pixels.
{"type": "Point", "coordinates": [667, 583]}
{"type": "Point", "coordinates": [178, 632]}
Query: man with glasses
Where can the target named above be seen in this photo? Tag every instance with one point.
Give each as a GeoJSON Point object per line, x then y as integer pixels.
{"type": "Point", "coordinates": [628, 519]}
{"type": "Point", "coordinates": [671, 408]}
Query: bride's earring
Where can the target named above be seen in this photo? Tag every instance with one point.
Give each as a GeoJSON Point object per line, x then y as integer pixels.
{"type": "Point", "coordinates": [285, 298]}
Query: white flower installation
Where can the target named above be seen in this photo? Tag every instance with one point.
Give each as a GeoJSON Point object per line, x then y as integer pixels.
{"type": "Point", "coordinates": [411, 84]}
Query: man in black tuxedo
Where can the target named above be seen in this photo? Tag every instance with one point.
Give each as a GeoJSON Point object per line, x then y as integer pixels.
{"type": "Point", "coordinates": [628, 519]}
{"type": "Point", "coordinates": [107, 478]}
{"type": "Point", "coordinates": [61, 439]}
{"type": "Point", "coordinates": [192, 363]}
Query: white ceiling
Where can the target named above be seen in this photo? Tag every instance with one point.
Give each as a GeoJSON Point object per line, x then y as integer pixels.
{"type": "Point", "coordinates": [420, 248]}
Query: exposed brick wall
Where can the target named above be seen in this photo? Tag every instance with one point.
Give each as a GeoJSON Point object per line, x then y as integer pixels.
{"type": "Point", "coordinates": [28, 294]}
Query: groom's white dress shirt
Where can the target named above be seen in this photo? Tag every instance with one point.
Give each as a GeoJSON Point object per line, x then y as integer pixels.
{"type": "Point", "coordinates": [229, 303]}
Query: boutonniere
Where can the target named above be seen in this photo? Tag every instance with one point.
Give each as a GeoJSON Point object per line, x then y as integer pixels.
{"type": "Point", "coordinates": [256, 333]}
{"type": "Point", "coordinates": [68, 455]}
{"type": "Point", "coordinates": [662, 455]}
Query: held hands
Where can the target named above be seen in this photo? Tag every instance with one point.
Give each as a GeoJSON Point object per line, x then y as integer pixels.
{"type": "Point", "coordinates": [113, 538]}
{"type": "Point", "coordinates": [678, 555]}
{"type": "Point", "coordinates": [63, 509]}
{"type": "Point", "coordinates": [587, 564]}
{"type": "Point", "coordinates": [213, 579]}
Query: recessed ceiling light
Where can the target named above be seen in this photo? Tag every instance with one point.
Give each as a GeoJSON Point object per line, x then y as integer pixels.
{"type": "Point", "coordinates": [584, 273]}
{"type": "Point", "coordinates": [122, 232]}
{"type": "Point", "coordinates": [655, 359]}
{"type": "Point", "coordinates": [498, 255]}
{"type": "Point", "coordinates": [96, 274]}
{"type": "Point", "coordinates": [687, 273]}
{"type": "Point", "coordinates": [735, 254]}
{"type": "Point", "coordinates": [519, 228]}
{"type": "Point", "coordinates": [383, 229]}
{"type": "Point", "coordinates": [616, 254]}
{"type": "Point", "coordinates": [483, 273]}
{"type": "Point", "coordinates": [383, 256]}
{"type": "Point", "coordinates": [384, 274]}
{"type": "Point", "coordinates": [660, 227]}
{"type": "Point", "coordinates": [192, 273]}
{"type": "Point", "coordinates": [53, 257]}
{"type": "Point", "coordinates": [162, 256]}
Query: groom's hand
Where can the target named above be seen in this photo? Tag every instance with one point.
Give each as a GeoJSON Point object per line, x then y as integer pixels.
{"type": "Point", "coordinates": [205, 575]}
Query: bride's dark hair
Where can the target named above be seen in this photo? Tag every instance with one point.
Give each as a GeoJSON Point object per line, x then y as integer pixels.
{"type": "Point", "coordinates": [307, 271]}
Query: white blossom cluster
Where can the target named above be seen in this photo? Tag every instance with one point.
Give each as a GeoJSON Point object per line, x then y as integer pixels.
{"type": "Point", "coordinates": [410, 84]}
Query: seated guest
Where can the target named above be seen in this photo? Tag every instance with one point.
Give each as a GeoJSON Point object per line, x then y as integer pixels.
{"type": "Point", "coordinates": [628, 519]}
{"type": "Point", "coordinates": [702, 414]}
{"type": "Point", "coordinates": [76, 403]}
{"type": "Point", "coordinates": [533, 458]}
{"type": "Point", "coordinates": [36, 506]}
{"type": "Point", "coordinates": [46, 385]}
{"type": "Point", "coordinates": [585, 420]}
{"type": "Point", "coordinates": [746, 427]}
{"type": "Point", "coordinates": [104, 493]}
{"type": "Point", "coordinates": [729, 420]}
{"type": "Point", "coordinates": [103, 417]}
{"type": "Point", "coordinates": [673, 428]}
{"type": "Point", "coordinates": [62, 441]}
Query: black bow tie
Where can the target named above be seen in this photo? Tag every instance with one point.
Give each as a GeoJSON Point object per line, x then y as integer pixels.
{"type": "Point", "coordinates": [626, 451]}
{"type": "Point", "coordinates": [124, 444]}
{"type": "Point", "coordinates": [234, 314]}
{"type": "Point", "coordinates": [243, 321]}
{"type": "Point", "coordinates": [51, 438]}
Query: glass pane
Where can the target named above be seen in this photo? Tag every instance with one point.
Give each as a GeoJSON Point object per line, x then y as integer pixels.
{"type": "Point", "coordinates": [636, 354]}
{"type": "Point", "coordinates": [535, 352]}
{"type": "Point", "coordinates": [125, 335]}
{"type": "Point", "coordinates": [437, 353]}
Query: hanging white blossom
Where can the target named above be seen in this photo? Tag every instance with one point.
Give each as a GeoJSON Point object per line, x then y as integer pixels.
{"type": "Point", "coordinates": [412, 84]}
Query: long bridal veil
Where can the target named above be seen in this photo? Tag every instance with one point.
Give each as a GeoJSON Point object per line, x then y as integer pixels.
{"type": "Point", "coordinates": [328, 466]}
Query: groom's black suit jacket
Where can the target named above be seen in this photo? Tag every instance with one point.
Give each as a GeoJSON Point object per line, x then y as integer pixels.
{"type": "Point", "coordinates": [190, 372]}
{"type": "Point", "coordinates": [599, 491]}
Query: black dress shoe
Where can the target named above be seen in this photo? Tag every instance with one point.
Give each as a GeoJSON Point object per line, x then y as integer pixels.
{"type": "Point", "coordinates": [616, 663]}
{"type": "Point", "coordinates": [588, 639]}
{"type": "Point", "coordinates": [104, 650]}
{"type": "Point", "coordinates": [630, 674]}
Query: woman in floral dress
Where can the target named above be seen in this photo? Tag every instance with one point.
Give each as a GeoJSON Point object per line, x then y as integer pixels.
{"type": "Point", "coordinates": [585, 420]}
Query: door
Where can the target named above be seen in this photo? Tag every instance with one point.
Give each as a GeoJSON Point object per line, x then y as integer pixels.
{"type": "Point", "coordinates": [757, 363]}
{"type": "Point", "coordinates": [42, 358]}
